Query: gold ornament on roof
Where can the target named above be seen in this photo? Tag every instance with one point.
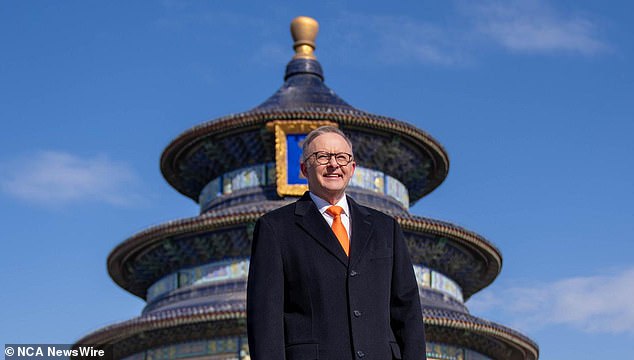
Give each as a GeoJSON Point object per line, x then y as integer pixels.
{"type": "Point", "coordinates": [304, 31]}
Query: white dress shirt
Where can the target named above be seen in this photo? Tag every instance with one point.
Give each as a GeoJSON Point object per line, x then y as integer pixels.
{"type": "Point", "coordinates": [323, 205]}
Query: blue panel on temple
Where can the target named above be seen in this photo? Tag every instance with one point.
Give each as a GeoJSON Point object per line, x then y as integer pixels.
{"type": "Point", "coordinates": [294, 153]}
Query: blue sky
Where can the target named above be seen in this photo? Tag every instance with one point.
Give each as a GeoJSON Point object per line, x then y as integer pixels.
{"type": "Point", "coordinates": [533, 101]}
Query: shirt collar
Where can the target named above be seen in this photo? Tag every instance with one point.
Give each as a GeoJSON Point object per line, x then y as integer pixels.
{"type": "Point", "coordinates": [323, 205]}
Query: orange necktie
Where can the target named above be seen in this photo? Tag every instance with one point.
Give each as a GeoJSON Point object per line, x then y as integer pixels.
{"type": "Point", "coordinates": [338, 228]}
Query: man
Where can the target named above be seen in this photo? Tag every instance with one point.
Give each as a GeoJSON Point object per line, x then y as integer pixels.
{"type": "Point", "coordinates": [330, 279]}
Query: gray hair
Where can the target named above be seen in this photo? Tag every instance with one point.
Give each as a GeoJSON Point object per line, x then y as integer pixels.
{"type": "Point", "coordinates": [320, 131]}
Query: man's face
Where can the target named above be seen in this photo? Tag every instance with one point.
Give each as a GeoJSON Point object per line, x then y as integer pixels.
{"type": "Point", "coordinates": [328, 181]}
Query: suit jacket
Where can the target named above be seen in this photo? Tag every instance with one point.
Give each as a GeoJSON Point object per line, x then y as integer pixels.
{"type": "Point", "coordinates": [307, 300]}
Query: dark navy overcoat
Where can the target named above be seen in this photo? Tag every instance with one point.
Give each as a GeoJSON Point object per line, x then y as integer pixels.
{"type": "Point", "coordinates": [307, 300]}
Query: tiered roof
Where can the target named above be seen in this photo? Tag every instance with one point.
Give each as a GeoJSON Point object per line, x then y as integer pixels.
{"type": "Point", "coordinates": [223, 229]}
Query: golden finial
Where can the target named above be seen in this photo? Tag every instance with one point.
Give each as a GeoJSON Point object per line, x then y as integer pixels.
{"type": "Point", "coordinates": [304, 31]}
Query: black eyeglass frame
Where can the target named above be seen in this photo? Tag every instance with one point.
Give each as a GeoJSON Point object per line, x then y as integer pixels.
{"type": "Point", "coordinates": [338, 160]}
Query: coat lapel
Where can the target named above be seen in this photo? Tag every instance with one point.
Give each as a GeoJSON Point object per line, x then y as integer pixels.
{"type": "Point", "coordinates": [316, 226]}
{"type": "Point", "coordinates": [361, 231]}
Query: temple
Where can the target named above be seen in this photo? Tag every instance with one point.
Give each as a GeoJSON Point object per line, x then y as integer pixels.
{"type": "Point", "coordinates": [192, 272]}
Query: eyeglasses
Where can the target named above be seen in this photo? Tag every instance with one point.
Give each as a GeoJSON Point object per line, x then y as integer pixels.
{"type": "Point", "coordinates": [323, 158]}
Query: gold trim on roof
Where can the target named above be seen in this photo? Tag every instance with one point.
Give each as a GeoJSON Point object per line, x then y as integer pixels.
{"type": "Point", "coordinates": [281, 129]}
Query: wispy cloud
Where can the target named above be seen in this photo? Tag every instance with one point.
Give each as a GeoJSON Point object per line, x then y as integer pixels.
{"type": "Point", "coordinates": [56, 178]}
{"type": "Point", "coordinates": [534, 26]}
{"type": "Point", "coordinates": [395, 39]}
{"type": "Point", "coordinates": [520, 26]}
{"type": "Point", "coordinates": [601, 303]}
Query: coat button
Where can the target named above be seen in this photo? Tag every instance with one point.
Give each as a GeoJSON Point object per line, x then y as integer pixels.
{"type": "Point", "coordinates": [360, 354]}
{"type": "Point", "coordinates": [353, 273]}
{"type": "Point", "coordinates": [357, 313]}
